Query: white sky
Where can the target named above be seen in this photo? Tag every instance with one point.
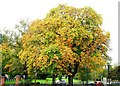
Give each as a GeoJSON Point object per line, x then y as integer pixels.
{"type": "Point", "coordinates": [12, 11]}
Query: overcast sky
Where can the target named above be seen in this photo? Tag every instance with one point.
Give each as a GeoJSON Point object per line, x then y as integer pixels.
{"type": "Point", "coordinates": [12, 11]}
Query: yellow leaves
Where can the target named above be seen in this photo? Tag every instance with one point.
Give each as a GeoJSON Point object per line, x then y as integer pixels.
{"type": "Point", "coordinates": [55, 57]}
{"type": "Point", "coordinates": [59, 67]}
{"type": "Point", "coordinates": [7, 66]}
{"type": "Point", "coordinates": [35, 24]}
{"type": "Point", "coordinates": [69, 74]}
{"type": "Point", "coordinates": [4, 46]}
{"type": "Point", "coordinates": [98, 60]}
{"type": "Point", "coordinates": [65, 37]}
{"type": "Point", "coordinates": [69, 42]}
{"type": "Point", "coordinates": [108, 34]}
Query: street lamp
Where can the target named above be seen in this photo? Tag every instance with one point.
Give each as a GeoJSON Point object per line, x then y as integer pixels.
{"type": "Point", "coordinates": [108, 74]}
{"type": "Point", "coordinates": [35, 75]}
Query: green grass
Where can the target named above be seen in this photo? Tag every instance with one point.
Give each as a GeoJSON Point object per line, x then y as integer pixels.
{"type": "Point", "coordinates": [49, 81]}
{"type": "Point", "coordinates": [10, 82]}
{"type": "Point", "coordinates": [41, 81]}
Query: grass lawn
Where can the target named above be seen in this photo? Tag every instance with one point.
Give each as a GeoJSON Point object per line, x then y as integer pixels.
{"type": "Point", "coordinates": [10, 82]}
{"type": "Point", "coordinates": [41, 81]}
{"type": "Point", "coordinates": [49, 81]}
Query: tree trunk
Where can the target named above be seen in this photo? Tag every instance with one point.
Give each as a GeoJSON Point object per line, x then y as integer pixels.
{"type": "Point", "coordinates": [25, 71]}
{"type": "Point", "coordinates": [60, 78]}
{"type": "Point", "coordinates": [53, 80]}
{"type": "Point", "coordinates": [70, 80]}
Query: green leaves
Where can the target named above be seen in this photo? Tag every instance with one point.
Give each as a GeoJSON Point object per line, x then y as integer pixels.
{"type": "Point", "coordinates": [67, 36]}
{"type": "Point", "coordinates": [53, 50]}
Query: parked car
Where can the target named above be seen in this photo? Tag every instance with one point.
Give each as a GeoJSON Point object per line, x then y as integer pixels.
{"type": "Point", "coordinates": [91, 83]}
{"type": "Point", "coordinates": [115, 83]}
{"type": "Point", "coordinates": [99, 83]}
{"type": "Point", "coordinates": [60, 82]}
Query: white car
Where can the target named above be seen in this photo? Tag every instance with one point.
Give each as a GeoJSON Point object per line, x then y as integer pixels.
{"type": "Point", "coordinates": [61, 82]}
{"type": "Point", "coordinates": [115, 83]}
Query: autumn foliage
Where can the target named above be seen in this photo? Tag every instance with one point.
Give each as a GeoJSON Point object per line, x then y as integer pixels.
{"type": "Point", "coordinates": [65, 41]}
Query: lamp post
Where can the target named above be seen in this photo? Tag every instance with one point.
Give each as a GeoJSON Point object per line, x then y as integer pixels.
{"type": "Point", "coordinates": [35, 75]}
{"type": "Point", "coordinates": [108, 78]}
{"type": "Point", "coordinates": [108, 74]}
{"type": "Point", "coordinates": [87, 75]}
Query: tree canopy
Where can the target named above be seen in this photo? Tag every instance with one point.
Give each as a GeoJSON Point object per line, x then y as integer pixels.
{"type": "Point", "coordinates": [67, 39]}
{"type": "Point", "coordinates": [10, 45]}
{"type": "Point", "coordinates": [114, 73]}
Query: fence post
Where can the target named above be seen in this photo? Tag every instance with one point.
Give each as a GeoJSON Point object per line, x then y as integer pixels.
{"type": "Point", "coordinates": [17, 80]}
{"type": "Point", "coordinates": [2, 80]}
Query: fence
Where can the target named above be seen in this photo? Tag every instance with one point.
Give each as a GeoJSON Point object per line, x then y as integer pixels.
{"type": "Point", "coordinates": [38, 84]}
{"type": "Point", "coordinates": [2, 80]}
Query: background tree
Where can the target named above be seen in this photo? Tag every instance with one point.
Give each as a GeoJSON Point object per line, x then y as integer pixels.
{"type": "Point", "coordinates": [10, 46]}
{"type": "Point", "coordinates": [67, 39]}
{"type": "Point", "coordinates": [114, 73]}
{"type": "Point", "coordinates": [10, 60]}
